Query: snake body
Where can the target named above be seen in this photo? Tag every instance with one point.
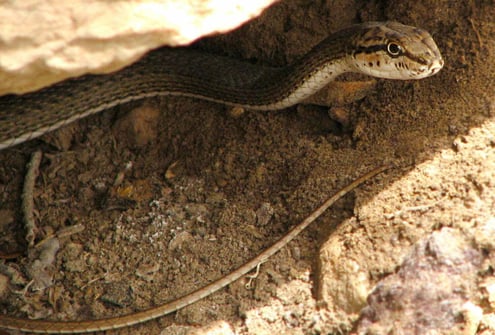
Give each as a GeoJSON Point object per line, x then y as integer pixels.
{"type": "Point", "coordinates": [387, 50]}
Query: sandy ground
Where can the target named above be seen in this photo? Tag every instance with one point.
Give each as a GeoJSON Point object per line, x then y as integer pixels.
{"type": "Point", "coordinates": [201, 190]}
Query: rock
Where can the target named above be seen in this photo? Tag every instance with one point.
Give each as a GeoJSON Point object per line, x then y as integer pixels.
{"type": "Point", "coordinates": [137, 128]}
{"type": "Point", "coordinates": [435, 285]}
{"type": "Point", "coordinates": [41, 270]}
{"type": "Point", "coordinates": [43, 42]}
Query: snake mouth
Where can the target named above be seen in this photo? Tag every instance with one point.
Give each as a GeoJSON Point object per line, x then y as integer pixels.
{"type": "Point", "coordinates": [434, 67]}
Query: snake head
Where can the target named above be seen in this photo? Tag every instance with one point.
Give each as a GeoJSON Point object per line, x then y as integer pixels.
{"type": "Point", "coordinates": [395, 51]}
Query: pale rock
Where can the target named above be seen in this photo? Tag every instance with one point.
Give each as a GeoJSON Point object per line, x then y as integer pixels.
{"type": "Point", "coordinates": [46, 41]}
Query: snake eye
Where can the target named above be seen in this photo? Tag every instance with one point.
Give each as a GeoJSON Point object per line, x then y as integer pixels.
{"type": "Point", "coordinates": [394, 49]}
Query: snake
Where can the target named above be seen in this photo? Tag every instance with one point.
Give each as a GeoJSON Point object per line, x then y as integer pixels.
{"type": "Point", "coordinates": [380, 49]}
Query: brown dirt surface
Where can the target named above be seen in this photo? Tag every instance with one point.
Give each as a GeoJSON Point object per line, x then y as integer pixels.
{"type": "Point", "coordinates": [173, 193]}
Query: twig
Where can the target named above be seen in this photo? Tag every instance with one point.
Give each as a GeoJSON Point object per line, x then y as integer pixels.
{"type": "Point", "coordinates": [28, 196]}
{"type": "Point", "coordinates": [476, 31]}
{"type": "Point", "coordinates": [249, 285]}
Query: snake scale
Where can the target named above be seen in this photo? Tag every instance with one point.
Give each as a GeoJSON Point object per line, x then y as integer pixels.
{"type": "Point", "coordinates": [381, 49]}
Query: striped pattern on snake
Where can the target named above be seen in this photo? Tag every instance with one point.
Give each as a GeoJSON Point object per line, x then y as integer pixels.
{"type": "Point", "coordinates": [381, 49]}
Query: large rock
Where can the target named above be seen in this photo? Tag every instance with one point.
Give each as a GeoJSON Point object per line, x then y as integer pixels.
{"type": "Point", "coordinates": [45, 41]}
